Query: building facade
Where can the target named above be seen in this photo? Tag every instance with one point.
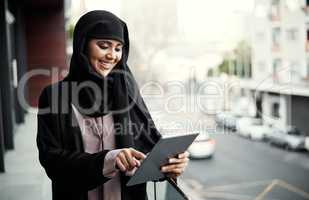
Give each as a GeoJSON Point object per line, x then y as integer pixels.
{"type": "Point", "coordinates": [33, 44]}
{"type": "Point", "coordinates": [280, 62]}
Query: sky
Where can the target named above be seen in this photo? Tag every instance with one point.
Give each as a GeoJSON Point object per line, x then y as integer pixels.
{"type": "Point", "coordinates": [221, 21]}
{"type": "Point", "coordinates": [217, 24]}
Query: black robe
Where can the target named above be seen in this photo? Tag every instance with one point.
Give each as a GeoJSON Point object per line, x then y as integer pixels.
{"type": "Point", "coordinates": [61, 152]}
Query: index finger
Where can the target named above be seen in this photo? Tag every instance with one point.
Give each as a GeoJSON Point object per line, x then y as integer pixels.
{"type": "Point", "coordinates": [183, 155]}
{"type": "Point", "coordinates": [137, 154]}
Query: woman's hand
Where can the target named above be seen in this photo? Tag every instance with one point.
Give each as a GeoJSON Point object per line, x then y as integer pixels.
{"type": "Point", "coordinates": [128, 158]}
{"type": "Point", "coordinates": [176, 166]}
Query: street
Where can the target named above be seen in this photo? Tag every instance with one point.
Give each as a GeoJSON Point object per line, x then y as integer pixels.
{"type": "Point", "coordinates": [244, 169]}
{"type": "Point", "coordinates": [241, 169]}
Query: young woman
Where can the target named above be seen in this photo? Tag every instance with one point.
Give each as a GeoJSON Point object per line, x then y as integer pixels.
{"type": "Point", "coordinates": [94, 128]}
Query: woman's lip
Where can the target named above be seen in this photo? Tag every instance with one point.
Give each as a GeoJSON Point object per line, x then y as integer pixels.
{"type": "Point", "coordinates": [105, 65]}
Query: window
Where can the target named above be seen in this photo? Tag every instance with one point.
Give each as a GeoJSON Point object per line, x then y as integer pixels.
{"type": "Point", "coordinates": [276, 34]}
{"type": "Point", "coordinates": [276, 66]}
{"type": "Point", "coordinates": [275, 10]}
{"type": "Point", "coordinates": [275, 110]}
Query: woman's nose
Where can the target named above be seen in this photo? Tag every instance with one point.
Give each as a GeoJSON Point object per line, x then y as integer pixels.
{"type": "Point", "coordinates": [111, 55]}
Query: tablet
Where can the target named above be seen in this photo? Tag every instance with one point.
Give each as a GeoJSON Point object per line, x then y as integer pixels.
{"type": "Point", "coordinates": [167, 147]}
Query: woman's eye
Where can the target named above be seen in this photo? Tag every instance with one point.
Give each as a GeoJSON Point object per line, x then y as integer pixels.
{"type": "Point", "coordinates": [118, 49]}
{"type": "Point", "coordinates": [103, 46]}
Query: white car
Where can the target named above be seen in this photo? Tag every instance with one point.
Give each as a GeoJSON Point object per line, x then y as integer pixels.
{"type": "Point", "coordinates": [202, 147]}
{"type": "Point", "coordinates": [253, 128]}
{"type": "Point", "coordinates": [288, 137]}
{"type": "Point", "coordinates": [244, 125]}
{"type": "Point", "coordinates": [259, 132]}
{"type": "Point", "coordinates": [307, 143]}
{"type": "Point", "coordinates": [227, 120]}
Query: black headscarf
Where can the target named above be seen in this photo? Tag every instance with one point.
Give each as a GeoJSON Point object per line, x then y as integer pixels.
{"type": "Point", "coordinates": [119, 88]}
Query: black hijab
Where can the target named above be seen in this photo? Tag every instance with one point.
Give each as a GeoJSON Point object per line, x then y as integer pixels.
{"type": "Point", "coordinates": [120, 94]}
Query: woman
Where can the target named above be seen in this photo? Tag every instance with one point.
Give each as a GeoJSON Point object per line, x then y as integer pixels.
{"type": "Point", "coordinates": [94, 128]}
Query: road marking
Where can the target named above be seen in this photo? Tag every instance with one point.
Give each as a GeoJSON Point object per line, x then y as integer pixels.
{"type": "Point", "coordinates": [239, 185]}
{"type": "Point", "coordinates": [266, 190]}
{"type": "Point", "coordinates": [284, 185]}
{"type": "Point", "coordinates": [219, 191]}
{"type": "Point", "coordinates": [293, 189]}
{"type": "Point", "coordinates": [227, 196]}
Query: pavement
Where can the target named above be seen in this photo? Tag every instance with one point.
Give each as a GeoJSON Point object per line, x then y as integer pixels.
{"type": "Point", "coordinates": [25, 178]}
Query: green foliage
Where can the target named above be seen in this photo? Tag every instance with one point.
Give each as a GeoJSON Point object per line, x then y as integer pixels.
{"type": "Point", "coordinates": [236, 62]}
{"type": "Point", "coordinates": [71, 31]}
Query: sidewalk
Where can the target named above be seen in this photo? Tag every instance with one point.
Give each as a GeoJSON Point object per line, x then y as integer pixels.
{"type": "Point", "coordinates": [25, 178]}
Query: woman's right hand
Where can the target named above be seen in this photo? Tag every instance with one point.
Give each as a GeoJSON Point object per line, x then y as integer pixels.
{"type": "Point", "coordinates": [129, 158]}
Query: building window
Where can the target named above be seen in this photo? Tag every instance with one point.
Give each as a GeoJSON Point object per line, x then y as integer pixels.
{"type": "Point", "coordinates": [275, 10]}
{"type": "Point", "coordinates": [276, 66]}
{"type": "Point", "coordinates": [276, 34]}
{"type": "Point", "coordinates": [292, 34]}
{"type": "Point", "coordinates": [275, 110]}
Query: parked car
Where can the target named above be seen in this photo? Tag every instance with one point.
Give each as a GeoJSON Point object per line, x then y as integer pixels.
{"type": "Point", "coordinates": [287, 137]}
{"type": "Point", "coordinates": [307, 143]}
{"type": "Point", "coordinates": [227, 120]}
{"type": "Point", "coordinates": [253, 128]}
{"type": "Point", "coordinates": [243, 126]}
{"type": "Point", "coordinates": [202, 147]}
{"type": "Point", "coordinates": [259, 132]}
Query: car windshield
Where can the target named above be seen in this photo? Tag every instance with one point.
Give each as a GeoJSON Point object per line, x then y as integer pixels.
{"type": "Point", "coordinates": [295, 132]}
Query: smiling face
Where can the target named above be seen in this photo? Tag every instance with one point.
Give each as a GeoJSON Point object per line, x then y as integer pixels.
{"type": "Point", "coordinates": [104, 54]}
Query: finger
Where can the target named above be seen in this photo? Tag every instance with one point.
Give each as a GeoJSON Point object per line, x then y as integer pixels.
{"type": "Point", "coordinates": [138, 163]}
{"type": "Point", "coordinates": [129, 159]}
{"type": "Point", "coordinates": [176, 171]}
{"type": "Point", "coordinates": [123, 160]}
{"type": "Point", "coordinates": [183, 155]}
{"type": "Point", "coordinates": [120, 165]}
{"type": "Point", "coordinates": [137, 154]}
{"type": "Point", "coordinates": [176, 160]}
{"type": "Point", "coordinates": [171, 168]}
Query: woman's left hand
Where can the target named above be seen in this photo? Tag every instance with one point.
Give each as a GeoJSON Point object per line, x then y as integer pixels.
{"type": "Point", "coordinates": [176, 166]}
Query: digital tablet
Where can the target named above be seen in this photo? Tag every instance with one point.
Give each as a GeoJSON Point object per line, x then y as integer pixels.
{"type": "Point", "coordinates": [167, 147]}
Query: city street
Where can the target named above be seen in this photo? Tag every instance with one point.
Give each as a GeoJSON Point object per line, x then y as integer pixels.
{"type": "Point", "coordinates": [243, 169]}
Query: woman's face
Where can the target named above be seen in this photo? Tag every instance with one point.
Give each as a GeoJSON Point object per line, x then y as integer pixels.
{"type": "Point", "coordinates": [104, 54]}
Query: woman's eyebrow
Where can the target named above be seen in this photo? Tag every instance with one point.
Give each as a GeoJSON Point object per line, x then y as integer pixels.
{"type": "Point", "coordinates": [110, 43]}
{"type": "Point", "coordinates": [105, 41]}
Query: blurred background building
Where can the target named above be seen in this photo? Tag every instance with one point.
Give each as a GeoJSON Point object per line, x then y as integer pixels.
{"type": "Point", "coordinates": [33, 38]}
{"type": "Point", "coordinates": [280, 62]}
